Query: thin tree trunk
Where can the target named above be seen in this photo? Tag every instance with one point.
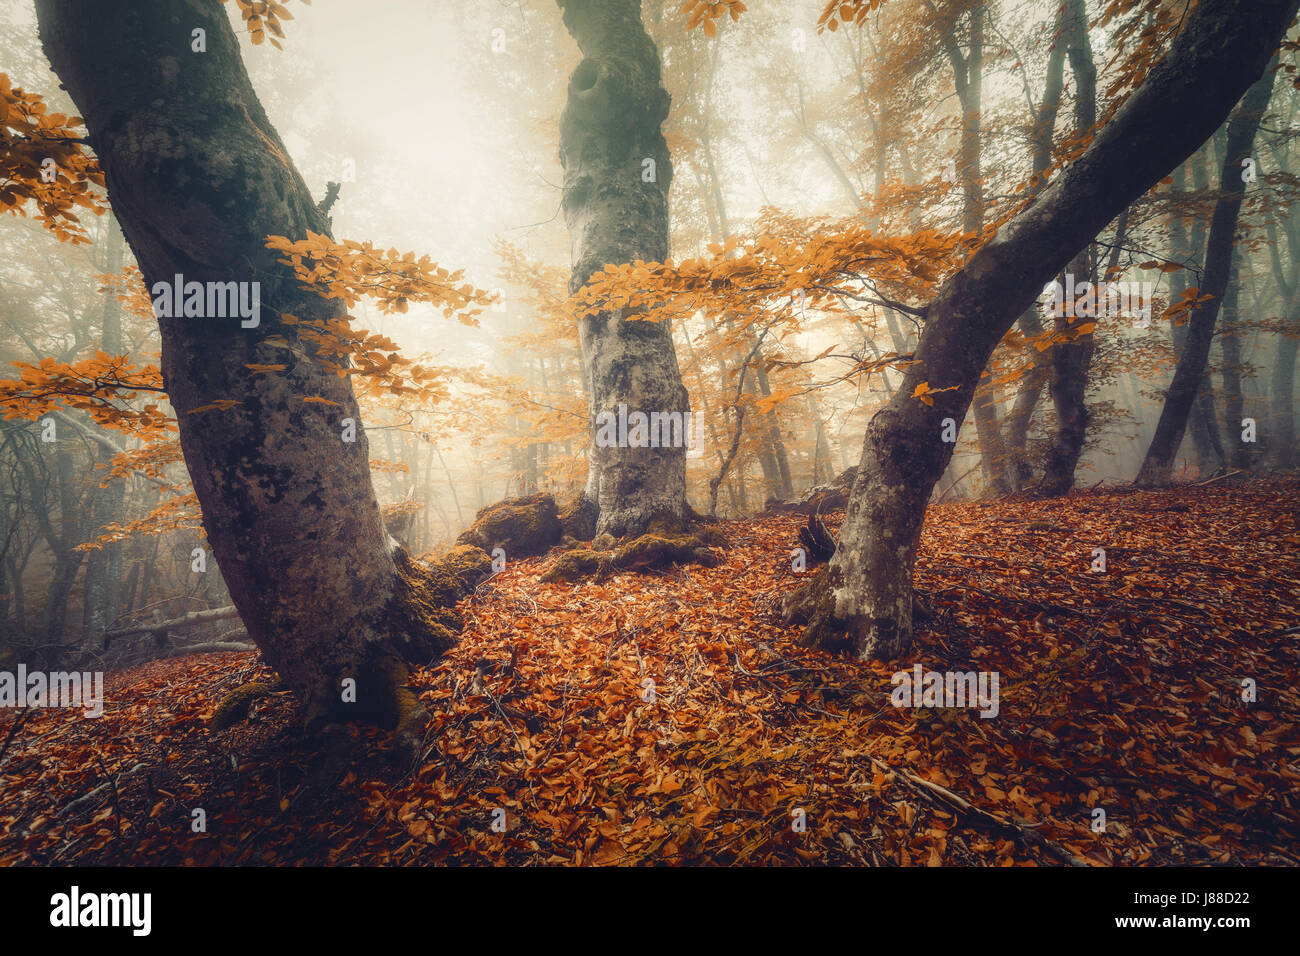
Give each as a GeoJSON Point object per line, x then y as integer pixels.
{"type": "Point", "coordinates": [1202, 423]}
{"type": "Point", "coordinates": [1030, 321]}
{"type": "Point", "coordinates": [968, 74]}
{"type": "Point", "coordinates": [1183, 390]}
{"type": "Point", "coordinates": [1281, 431]}
{"type": "Point", "coordinates": [1239, 455]}
{"type": "Point", "coordinates": [1072, 360]}
{"type": "Point", "coordinates": [103, 582]}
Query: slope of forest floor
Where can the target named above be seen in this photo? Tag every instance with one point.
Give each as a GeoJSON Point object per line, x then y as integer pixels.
{"type": "Point", "coordinates": [1119, 690]}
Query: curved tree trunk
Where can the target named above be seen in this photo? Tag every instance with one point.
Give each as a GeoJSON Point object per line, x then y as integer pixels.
{"type": "Point", "coordinates": [199, 178]}
{"type": "Point", "coordinates": [1186, 385]}
{"type": "Point", "coordinates": [616, 177]}
{"type": "Point", "coordinates": [863, 599]}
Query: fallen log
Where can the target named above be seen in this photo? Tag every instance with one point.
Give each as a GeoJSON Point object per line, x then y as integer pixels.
{"type": "Point", "coordinates": [185, 620]}
{"type": "Point", "coordinates": [829, 497]}
{"type": "Point", "coordinates": [212, 647]}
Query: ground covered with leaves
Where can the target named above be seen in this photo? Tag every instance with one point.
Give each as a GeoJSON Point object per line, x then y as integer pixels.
{"type": "Point", "coordinates": [1120, 690]}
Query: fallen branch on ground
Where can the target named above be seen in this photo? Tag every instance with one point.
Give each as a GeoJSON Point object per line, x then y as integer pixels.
{"type": "Point", "coordinates": [185, 620]}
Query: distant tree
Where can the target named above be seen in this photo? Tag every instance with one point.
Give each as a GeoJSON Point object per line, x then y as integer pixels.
{"type": "Point", "coordinates": [1190, 371]}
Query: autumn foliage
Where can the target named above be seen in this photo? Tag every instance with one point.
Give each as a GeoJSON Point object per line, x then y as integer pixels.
{"type": "Point", "coordinates": [544, 711]}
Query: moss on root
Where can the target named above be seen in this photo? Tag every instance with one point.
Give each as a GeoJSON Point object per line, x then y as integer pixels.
{"type": "Point", "coordinates": [653, 550]}
{"type": "Point", "coordinates": [420, 617]}
{"type": "Point", "coordinates": [711, 535]}
{"type": "Point", "coordinates": [522, 526]}
{"type": "Point", "coordinates": [577, 565]}
{"type": "Point", "coordinates": [234, 706]}
{"type": "Point", "coordinates": [650, 550]}
{"type": "Point", "coordinates": [468, 564]}
{"type": "Point", "coordinates": [579, 519]}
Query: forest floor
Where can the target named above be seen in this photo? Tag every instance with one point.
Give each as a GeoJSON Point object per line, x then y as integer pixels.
{"type": "Point", "coordinates": [1119, 691]}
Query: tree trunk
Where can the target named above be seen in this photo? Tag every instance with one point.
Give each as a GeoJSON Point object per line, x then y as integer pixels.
{"type": "Point", "coordinates": [1072, 360]}
{"type": "Point", "coordinates": [616, 178]}
{"type": "Point", "coordinates": [1030, 322]}
{"type": "Point", "coordinates": [104, 567]}
{"type": "Point", "coordinates": [968, 75]}
{"type": "Point", "coordinates": [1281, 430]}
{"type": "Point", "coordinates": [1239, 453]}
{"type": "Point", "coordinates": [1185, 387]}
{"type": "Point", "coordinates": [1202, 423]}
{"type": "Point", "coordinates": [199, 178]}
{"type": "Point", "coordinates": [863, 599]}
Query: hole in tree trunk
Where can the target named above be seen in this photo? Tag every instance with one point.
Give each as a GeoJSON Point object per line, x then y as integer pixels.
{"type": "Point", "coordinates": [585, 76]}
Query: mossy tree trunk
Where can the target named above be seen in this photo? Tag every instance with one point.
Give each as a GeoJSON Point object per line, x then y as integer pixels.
{"type": "Point", "coordinates": [616, 177]}
{"type": "Point", "coordinates": [863, 599]}
{"type": "Point", "coordinates": [1279, 431]}
{"type": "Point", "coordinates": [198, 179]}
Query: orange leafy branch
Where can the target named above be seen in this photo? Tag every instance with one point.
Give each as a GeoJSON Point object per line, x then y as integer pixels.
{"type": "Point", "coordinates": [349, 270]}
{"type": "Point", "coordinates": [703, 14]}
{"type": "Point", "coordinates": [96, 386]}
{"type": "Point", "coordinates": [180, 513]}
{"type": "Point", "coordinates": [262, 15]}
{"type": "Point", "coordinates": [924, 392]}
{"type": "Point", "coordinates": [43, 161]}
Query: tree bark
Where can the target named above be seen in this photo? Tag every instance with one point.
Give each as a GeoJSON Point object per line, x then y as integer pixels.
{"type": "Point", "coordinates": [199, 178]}
{"type": "Point", "coordinates": [968, 76]}
{"type": "Point", "coordinates": [1239, 452]}
{"type": "Point", "coordinates": [103, 583]}
{"type": "Point", "coordinates": [1202, 422]}
{"type": "Point", "coordinates": [616, 207]}
{"type": "Point", "coordinates": [1186, 385]}
{"type": "Point", "coordinates": [1072, 360]}
{"type": "Point", "coordinates": [1030, 322]}
{"type": "Point", "coordinates": [863, 599]}
{"type": "Point", "coordinates": [1279, 441]}
{"type": "Point", "coordinates": [1281, 432]}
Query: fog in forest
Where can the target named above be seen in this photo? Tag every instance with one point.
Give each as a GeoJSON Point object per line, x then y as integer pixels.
{"type": "Point", "coordinates": [440, 125]}
{"type": "Point", "coordinates": [380, 350]}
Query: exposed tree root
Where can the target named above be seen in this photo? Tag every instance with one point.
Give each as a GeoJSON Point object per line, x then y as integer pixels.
{"type": "Point", "coordinates": [654, 549]}
{"type": "Point", "coordinates": [523, 527]}
{"type": "Point", "coordinates": [813, 605]}
{"type": "Point", "coordinates": [235, 706]}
